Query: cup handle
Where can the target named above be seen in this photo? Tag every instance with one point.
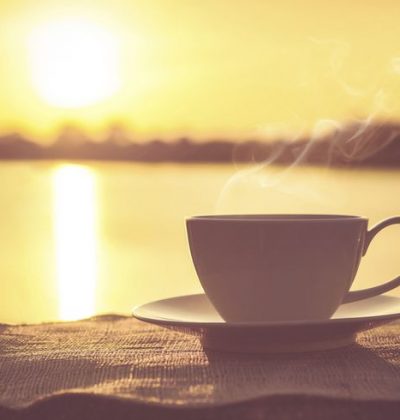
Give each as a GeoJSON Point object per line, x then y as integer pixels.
{"type": "Point", "coordinates": [382, 288]}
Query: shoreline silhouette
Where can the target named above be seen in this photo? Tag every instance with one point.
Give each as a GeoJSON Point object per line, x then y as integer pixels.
{"type": "Point", "coordinates": [376, 145]}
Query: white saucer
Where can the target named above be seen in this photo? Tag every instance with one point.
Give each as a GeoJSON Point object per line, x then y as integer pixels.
{"type": "Point", "coordinates": [194, 314]}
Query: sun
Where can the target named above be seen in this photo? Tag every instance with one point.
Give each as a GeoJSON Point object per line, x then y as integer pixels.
{"type": "Point", "coordinates": [74, 62]}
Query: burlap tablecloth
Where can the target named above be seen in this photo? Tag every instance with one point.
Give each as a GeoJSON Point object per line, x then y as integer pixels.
{"type": "Point", "coordinates": [113, 367]}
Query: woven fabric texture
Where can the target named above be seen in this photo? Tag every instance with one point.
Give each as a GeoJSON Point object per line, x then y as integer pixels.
{"type": "Point", "coordinates": [118, 366]}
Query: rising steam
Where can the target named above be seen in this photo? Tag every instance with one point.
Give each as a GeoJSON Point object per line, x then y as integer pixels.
{"type": "Point", "coordinates": [329, 141]}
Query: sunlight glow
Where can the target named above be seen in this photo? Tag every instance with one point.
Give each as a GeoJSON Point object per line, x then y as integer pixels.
{"type": "Point", "coordinates": [75, 237]}
{"type": "Point", "coordinates": [74, 63]}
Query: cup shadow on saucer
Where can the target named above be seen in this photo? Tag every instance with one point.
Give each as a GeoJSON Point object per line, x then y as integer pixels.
{"type": "Point", "coordinates": [194, 314]}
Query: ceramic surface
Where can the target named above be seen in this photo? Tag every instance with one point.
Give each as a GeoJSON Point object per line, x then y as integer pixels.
{"type": "Point", "coordinates": [194, 314]}
{"type": "Point", "coordinates": [281, 267]}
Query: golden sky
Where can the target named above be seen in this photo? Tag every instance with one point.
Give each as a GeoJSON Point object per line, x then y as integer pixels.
{"type": "Point", "coordinates": [205, 68]}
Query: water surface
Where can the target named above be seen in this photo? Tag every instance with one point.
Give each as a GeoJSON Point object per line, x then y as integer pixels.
{"type": "Point", "coordinates": [90, 238]}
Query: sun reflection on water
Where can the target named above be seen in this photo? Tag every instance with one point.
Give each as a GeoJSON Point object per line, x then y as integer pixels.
{"type": "Point", "coordinates": [75, 240]}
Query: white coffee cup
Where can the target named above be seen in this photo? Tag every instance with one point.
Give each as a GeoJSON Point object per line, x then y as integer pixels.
{"type": "Point", "coordinates": [266, 268]}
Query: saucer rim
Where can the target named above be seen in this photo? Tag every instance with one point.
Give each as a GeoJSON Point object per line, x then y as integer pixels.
{"type": "Point", "coordinates": [261, 324]}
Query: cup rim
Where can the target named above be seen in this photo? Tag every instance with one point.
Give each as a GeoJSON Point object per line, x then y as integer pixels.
{"type": "Point", "coordinates": [284, 217]}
